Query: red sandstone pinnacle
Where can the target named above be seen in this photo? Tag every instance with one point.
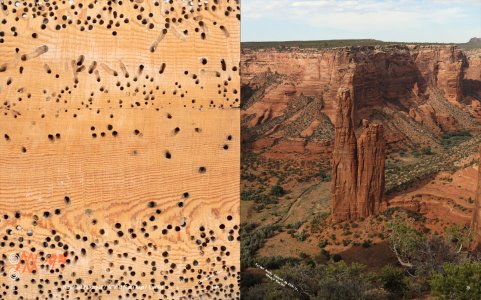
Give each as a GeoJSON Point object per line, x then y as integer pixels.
{"type": "Point", "coordinates": [358, 165]}
{"type": "Point", "coordinates": [371, 147]}
{"type": "Point", "coordinates": [476, 221]}
{"type": "Point", "coordinates": [344, 160]}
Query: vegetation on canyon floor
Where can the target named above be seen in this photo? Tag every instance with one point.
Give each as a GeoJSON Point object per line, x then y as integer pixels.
{"type": "Point", "coordinates": [429, 263]}
{"type": "Point", "coordinates": [268, 184]}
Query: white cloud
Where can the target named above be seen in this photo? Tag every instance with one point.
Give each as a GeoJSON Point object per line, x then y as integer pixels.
{"type": "Point", "coordinates": [361, 13]}
{"type": "Point", "coordinates": [402, 20]}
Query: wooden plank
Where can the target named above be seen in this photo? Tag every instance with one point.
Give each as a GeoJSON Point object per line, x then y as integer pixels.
{"type": "Point", "coordinates": [119, 143]}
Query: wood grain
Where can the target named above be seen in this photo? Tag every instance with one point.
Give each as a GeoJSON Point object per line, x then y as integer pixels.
{"type": "Point", "coordinates": [119, 149]}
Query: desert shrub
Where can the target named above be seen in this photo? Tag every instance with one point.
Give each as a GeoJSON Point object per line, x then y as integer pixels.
{"type": "Point", "coordinates": [366, 243]}
{"type": "Point", "coordinates": [249, 279]}
{"type": "Point", "coordinates": [259, 207]}
{"type": "Point", "coordinates": [252, 239]}
{"type": "Point", "coordinates": [246, 195]}
{"type": "Point", "coordinates": [295, 226]}
{"type": "Point", "coordinates": [390, 212]}
{"type": "Point", "coordinates": [302, 236]}
{"type": "Point", "coordinates": [394, 281]}
{"type": "Point", "coordinates": [326, 177]}
{"type": "Point", "coordinates": [317, 220]}
{"type": "Point", "coordinates": [427, 151]}
{"type": "Point", "coordinates": [277, 191]}
{"type": "Point", "coordinates": [337, 257]}
{"type": "Point", "coordinates": [330, 281]}
{"type": "Point", "coordinates": [323, 243]}
{"type": "Point", "coordinates": [458, 236]}
{"type": "Point", "coordinates": [417, 252]}
{"type": "Point", "coordinates": [455, 138]}
{"type": "Point", "coordinates": [257, 197]}
{"type": "Point", "coordinates": [341, 281]}
{"type": "Point", "coordinates": [275, 262]}
{"type": "Point", "coordinates": [457, 281]}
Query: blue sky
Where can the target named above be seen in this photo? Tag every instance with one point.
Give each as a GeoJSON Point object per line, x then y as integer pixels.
{"type": "Point", "coordinates": [388, 20]}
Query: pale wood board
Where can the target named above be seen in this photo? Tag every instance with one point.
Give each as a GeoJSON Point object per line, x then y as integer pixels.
{"type": "Point", "coordinates": [99, 129]}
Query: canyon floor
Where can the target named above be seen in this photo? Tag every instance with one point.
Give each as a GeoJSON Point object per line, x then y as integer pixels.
{"type": "Point", "coordinates": [303, 209]}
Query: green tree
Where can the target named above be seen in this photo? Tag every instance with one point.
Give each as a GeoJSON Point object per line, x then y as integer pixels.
{"type": "Point", "coordinates": [459, 236]}
{"type": "Point", "coordinates": [394, 281]}
{"type": "Point", "coordinates": [457, 281]}
{"type": "Point", "coordinates": [404, 241]}
{"type": "Point", "coordinates": [277, 190]}
{"type": "Point", "coordinates": [427, 151]}
{"type": "Point", "coordinates": [418, 252]}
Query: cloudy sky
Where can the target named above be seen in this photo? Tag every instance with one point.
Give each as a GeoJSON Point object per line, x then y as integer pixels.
{"type": "Point", "coordinates": [389, 20]}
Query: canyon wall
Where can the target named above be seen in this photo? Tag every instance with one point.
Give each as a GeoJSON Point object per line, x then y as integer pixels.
{"type": "Point", "coordinates": [472, 77]}
{"type": "Point", "coordinates": [416, 92]}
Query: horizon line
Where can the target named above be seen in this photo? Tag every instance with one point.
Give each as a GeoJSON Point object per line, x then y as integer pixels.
{"type": "Point", "coordinates": [364, 39]}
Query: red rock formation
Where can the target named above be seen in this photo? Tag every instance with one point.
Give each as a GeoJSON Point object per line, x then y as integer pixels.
{"type": "Point", "coordinates": [344, 161]}
{"type": "Point", "coordinates": [476, 221]}
{"type": "Point", "coordinates": [371, 148]}
{"type": "Point", "coordinates": [357, 165]}
{"type": "Point", "coordinates": [416, 92]}
{"type": "Point", "coordinates": [382, 73]}
{"type": "Point", "coordinates": [472, 77]}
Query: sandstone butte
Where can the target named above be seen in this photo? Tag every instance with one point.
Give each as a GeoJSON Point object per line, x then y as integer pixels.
{"type": "Point", "coordinates": [357, 164]}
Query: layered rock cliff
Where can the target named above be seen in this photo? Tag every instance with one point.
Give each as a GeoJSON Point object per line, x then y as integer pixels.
{"type": "Point", "coordinates": [472, 78]}
{"type": "Point", "coordinates": [357, 164]}
{"type": "Point", "coordinates": [417, 93]}
{"type": "Point", "coordinates": [476, 220]}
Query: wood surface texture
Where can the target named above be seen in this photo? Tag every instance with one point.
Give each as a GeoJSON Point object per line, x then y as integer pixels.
{"type": "Point", "coordinates": [119, 149]}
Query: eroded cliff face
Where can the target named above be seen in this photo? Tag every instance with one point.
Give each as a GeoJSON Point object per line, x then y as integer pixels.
{"type": "Point", "coordinates": [476, 220]}
{"type": "Point", "coordinates": [416, 92]}
{"type": "Point", "coordinates": [472, 78]}
{"type": "Point", "coordinates": [357, 165]}
{"type": "Point", "coordinates": [344, 161]}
